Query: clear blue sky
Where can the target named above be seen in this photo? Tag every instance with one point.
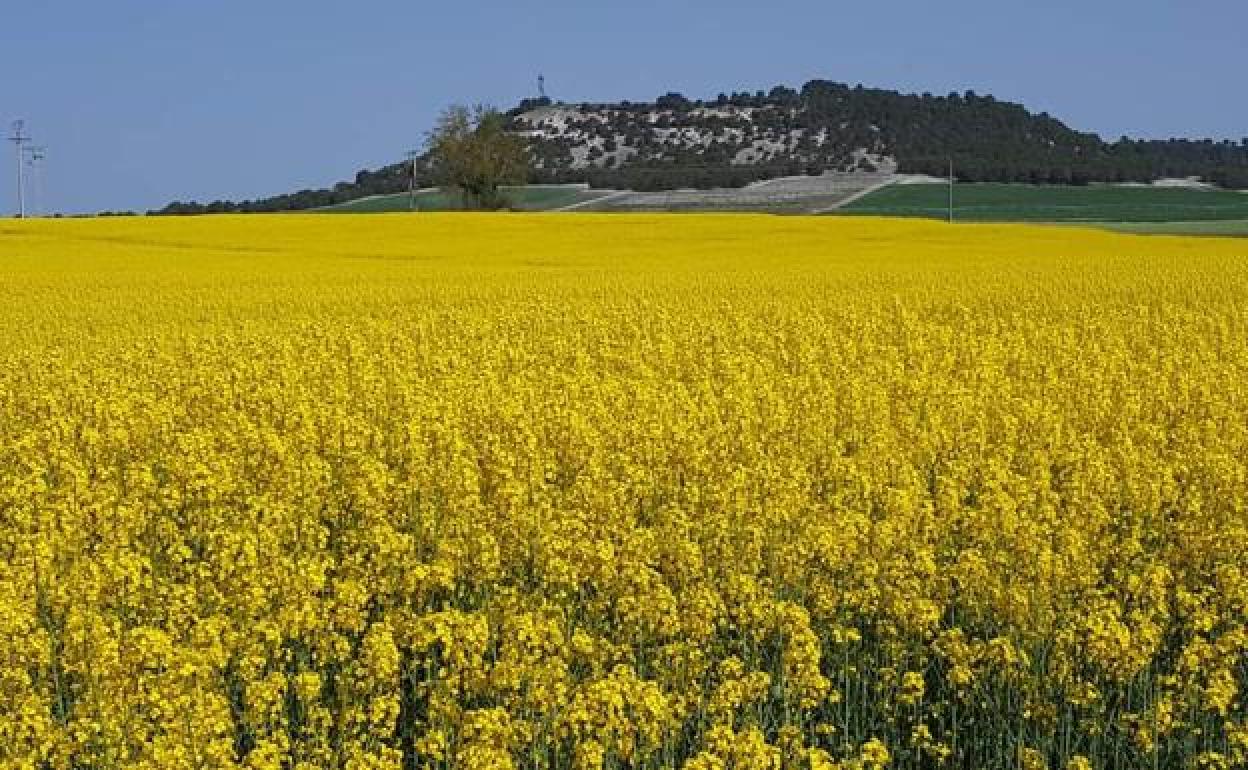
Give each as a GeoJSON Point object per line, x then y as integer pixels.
{"type": "Point", "coordinates": [143, 102]}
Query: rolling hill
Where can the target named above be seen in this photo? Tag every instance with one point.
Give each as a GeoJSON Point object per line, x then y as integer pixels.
{"type": "Point", "coordinates": [736, 140]}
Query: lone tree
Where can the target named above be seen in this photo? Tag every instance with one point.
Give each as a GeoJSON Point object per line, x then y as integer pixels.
{"type": "Point", "coordinates": [473, 155]}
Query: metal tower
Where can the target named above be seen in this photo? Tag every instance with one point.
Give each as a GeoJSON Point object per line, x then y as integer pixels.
{"type": "Point", "coordinates": [18, 139]}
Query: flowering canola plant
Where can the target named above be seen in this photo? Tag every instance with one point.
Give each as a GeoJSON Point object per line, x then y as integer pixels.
{"type": "Point", "coordinates": [704, 492]}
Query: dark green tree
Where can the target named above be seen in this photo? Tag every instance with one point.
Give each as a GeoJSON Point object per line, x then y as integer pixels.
{"type": "Point", "coordinates": [472, 155]}
{"type": "Point", "coordinates": [673, 101]}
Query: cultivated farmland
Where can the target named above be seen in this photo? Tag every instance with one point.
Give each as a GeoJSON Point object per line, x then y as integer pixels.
{"type": "Point", "coordinates": [792, 195]}
{"type": "Point", "coordinates": [516, 491]}
{"type": "Point", "coordinates": [1224, 227]}
{"type": "Point", "coordinates": [1040, 203]}
{"type": "Point", "coordinates": [524, 198]}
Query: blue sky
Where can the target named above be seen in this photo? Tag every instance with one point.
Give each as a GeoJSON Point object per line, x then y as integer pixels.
{"type": "Point", "coordinates": [140, 103]}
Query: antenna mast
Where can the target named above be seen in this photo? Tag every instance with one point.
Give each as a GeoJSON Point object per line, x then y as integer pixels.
{"type": "Point", "coordinates": [19, 138]}
{"type": "Point", "coordinates": [541, 86]}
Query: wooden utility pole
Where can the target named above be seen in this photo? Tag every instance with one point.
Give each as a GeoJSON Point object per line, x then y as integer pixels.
{"type": "Point", "coordinates": [950, 189]}
{"type": "Point", "coordinates": [412, 156]}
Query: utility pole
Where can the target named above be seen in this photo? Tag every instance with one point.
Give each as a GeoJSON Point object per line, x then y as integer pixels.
{"type": "Point", "coordinates": [412, 156]}
{"type": "Point", "coordinates": [19, 138]}
{"type": "Point", "coordinates": [950, 189]}
{"type": "Point", "coordinates": [35, 162]}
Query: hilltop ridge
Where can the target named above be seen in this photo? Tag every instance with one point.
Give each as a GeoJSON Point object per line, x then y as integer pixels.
{"type": "Point", "coordinates": [737, 139]}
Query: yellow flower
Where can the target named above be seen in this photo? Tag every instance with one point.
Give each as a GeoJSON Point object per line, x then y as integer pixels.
{"type": "Point", "coordinates": [874, 754]}
{"type": "Point", "coordinates": [912, 687]}
{"type": "Point", "coordinates": [585, 491]}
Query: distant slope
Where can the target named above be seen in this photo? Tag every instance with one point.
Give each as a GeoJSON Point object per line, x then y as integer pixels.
{"type": "Point", "coordinates": [707, 143]}
{"type": "Point", "coordinates": [530, 198]}
{"type": "Point", "coordinates": [734, 140]}
{"type": "Point", "coordinates": [1052, 203]}
{"type": "Point", "coordinates": [789, 195]}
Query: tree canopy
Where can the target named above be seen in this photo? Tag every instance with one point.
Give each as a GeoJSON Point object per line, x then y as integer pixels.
{"type": "Point", "coordinates": [471, 153]}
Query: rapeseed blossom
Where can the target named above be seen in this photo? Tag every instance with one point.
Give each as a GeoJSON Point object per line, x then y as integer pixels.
{"type": "Point", "coordinates": [620, 492]}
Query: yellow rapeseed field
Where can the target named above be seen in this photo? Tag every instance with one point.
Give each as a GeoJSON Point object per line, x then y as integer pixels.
{"type": "Point", "coordinates": [547, 492]}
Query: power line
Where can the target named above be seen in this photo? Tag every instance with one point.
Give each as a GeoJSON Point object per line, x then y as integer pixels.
{"type": "Point", "coordinates": [34, 160]}
{"type": "Point", "coordinates": [18, 139]}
